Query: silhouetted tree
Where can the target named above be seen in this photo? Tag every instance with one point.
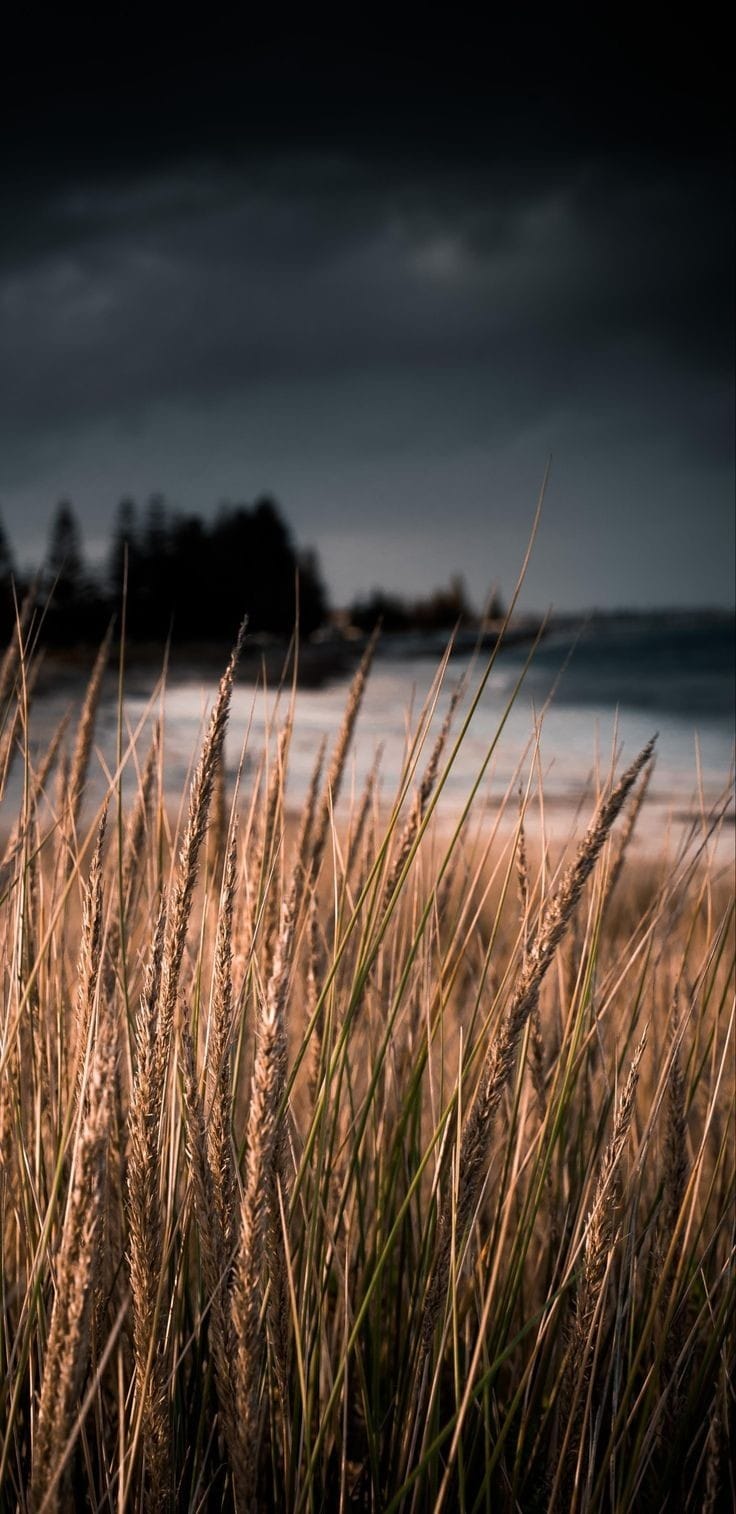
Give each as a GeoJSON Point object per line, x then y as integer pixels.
{"type": "Point", "coordinates": [193, 587]}
{"type": "Point", "coordinates": [76, 610]}
{"type": "Point", "coordinates": [192, 578]}
{"type": "Point", "coordinates": [444, 609]}
{"type": "Point", "coordinates": [392, 612]}
{"type": "Point", "coordinates": [7, 604]}
{"type": "Point", "coordinates": [151, 581]}
{"type": "Point", "coordinates": [273, 569]}
{"type": "Point", "coordinates": [440, 611]}
{"type": "Point", "coordinates": [123, 551]}
{"type": "Point", "coordinates": [495, 609]}
{"type": "Point", "coordinates": [252, 563]}
{"type": "Point", "coordinates": [312, 593]}
{"type": "Point", "coordinates": [64, 560]}
{"type": "Point", "coordinates": [156, 531]}
{"type": "Point", "coordinates": [6, 556]}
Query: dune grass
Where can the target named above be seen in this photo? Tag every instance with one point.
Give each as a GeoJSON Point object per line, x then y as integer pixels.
{"type": "Point", "coordinates": [379, 1157]}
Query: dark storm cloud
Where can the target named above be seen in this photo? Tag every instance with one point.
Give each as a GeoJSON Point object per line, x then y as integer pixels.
{"type": "Point", "coordinates": [188, 285]}
{"type": "Point", "coordinates": [473, 250]}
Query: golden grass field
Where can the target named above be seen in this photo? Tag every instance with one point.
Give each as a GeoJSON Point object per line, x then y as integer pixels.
{"type": "Point", "coordinates": [382, 1163]}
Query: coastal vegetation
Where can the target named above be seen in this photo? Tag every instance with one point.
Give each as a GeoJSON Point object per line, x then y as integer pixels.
{"type": "Point", "coordinates": [185, 578]}
{"type": "Point", "coordinates": [374, 1156]}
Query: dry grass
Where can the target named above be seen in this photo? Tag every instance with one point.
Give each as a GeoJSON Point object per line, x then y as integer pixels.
{"type": "Point", "coordinates": [387, 1163]}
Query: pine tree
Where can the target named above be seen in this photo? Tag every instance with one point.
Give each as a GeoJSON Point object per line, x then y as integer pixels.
{"type": "Point", "coordinates": [6, 556]}
{"type": "Point", "coordinates": [7, 601]}
{"type": "Point", "coordinates": [122, 558]}
{"type": "Point", "coordinates": [64, 559]}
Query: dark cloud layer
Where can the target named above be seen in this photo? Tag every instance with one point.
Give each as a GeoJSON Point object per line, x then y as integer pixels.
{"type": "Point", "coordinates": [367, 276]}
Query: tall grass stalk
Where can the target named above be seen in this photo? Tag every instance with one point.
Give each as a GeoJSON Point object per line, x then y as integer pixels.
{"type": "Point", "coordinates": [334, 1172]}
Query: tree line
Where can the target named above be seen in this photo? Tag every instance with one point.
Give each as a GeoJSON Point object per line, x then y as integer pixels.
{"type": "Point", "coordinates": [191, 579]}
{"type": "Point", "coordinates": [180, 576]}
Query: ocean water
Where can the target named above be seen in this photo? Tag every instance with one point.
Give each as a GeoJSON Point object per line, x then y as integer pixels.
{"type": "Point", "coordinates": [585, 697]}
{"type": "Point", "coordinates": [588, 697]}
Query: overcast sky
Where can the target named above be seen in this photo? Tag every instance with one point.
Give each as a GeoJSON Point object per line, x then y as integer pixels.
{"type": "Point", "coordinates": [381, 279]}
